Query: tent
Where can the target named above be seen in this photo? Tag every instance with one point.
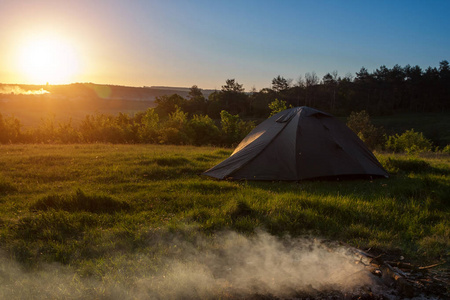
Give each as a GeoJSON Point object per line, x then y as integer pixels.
{"type": "Point", "coordinates": [296, 144]}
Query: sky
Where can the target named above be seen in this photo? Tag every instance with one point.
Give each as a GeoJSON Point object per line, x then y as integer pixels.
{"type": "Point", "coordinates": [204, 43]}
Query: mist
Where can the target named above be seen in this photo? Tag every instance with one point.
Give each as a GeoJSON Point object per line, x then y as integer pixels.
{"type": "Point", "coordinates": [230, 265]}
{"type": "Point", "coordinates": [17, 90]}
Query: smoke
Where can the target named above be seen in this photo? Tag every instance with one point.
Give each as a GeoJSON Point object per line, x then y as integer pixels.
{"type": "Point", "coordinates": [17, 90]}
{"type": "Point", "coordinates": [228, 266]}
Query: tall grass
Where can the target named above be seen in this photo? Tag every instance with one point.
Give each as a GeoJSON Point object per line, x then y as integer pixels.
{"type": "Point", "coordinates": [82, 205]}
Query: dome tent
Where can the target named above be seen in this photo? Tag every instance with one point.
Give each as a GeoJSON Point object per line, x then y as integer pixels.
{"type": "Point", "coordinates": [296, 144]}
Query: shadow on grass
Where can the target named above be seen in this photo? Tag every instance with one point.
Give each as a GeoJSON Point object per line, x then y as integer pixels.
{"type": "Point", "coordinates": [400, 188]}
{"type": "Point", "coordinates": [208, 187]}
{"type": "Point", "coordinates": [80, 202]}
{"type": "Point", "coordinates": [6, 187]}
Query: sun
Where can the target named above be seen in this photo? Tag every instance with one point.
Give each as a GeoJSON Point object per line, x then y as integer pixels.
{"type": "Point", "coordinates": [48, 59]}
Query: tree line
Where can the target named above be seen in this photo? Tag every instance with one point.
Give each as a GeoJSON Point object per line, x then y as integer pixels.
{"type": "Point", "coordinates": [383, 91]}
{"type": "Point", "coordinates": [175, 128]}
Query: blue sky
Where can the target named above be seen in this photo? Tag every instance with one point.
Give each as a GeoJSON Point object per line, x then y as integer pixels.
{"type": "Point", "coordinates": [181, 43]}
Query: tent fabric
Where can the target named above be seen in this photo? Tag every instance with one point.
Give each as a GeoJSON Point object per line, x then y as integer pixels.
{"type": "Point", "coordinates": [296, 144]}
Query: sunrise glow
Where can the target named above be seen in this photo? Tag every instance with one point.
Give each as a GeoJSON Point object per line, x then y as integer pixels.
{"type": "Point", "coordinates": [47, 59]}
{"type": "Point", "coordinates": [184, 43]}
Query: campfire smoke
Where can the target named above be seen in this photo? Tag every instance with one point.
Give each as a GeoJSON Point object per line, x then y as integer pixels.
{"type": "Point", "coordinates": [230, 265]}
{"type": "Point", "coordinates": [17, 90]}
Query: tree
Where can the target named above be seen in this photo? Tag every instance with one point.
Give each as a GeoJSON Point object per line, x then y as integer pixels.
{"type": "Point", "coordinates": [444, 85]}
{"type": "Point", "coordinates": [195, 92]}
{"type": "Point", "coordinates": [168, 104]}
{"type": "Point", "coordinates": [280, 84]}
{"type": "Point", "coordinates": [363, 75]}
{"type": "Point", "coordinates": [330, 83]}
{"type": "Point", "coordinates": [300, 82]}
{"type": "Point", "coordinates": [213, 105]}
{"type": "Point", "coordinates": [413, 86]}
{"type": "Point", "coordinates": [233, 99]}
{"type": "Point", "coordinates": [196, 103]}
{"type": "Point", "coordinates": [232, 86]}
{"type": "Point", "coordinates": [444, 72]}
{"type": "Point", "coordinates": [413, 74]}
{"type": "Point", "coordinates": [444, 68]}
{"type": "Point", "coordinates": [259, 102]}
{"type": "Point", "coordinates": [364, 88]}
{"type": "Point", "coordinates": [311, 80]}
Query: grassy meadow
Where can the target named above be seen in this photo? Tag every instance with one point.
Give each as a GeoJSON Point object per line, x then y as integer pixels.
{"type": "Point", "coordinates": [89, 207]}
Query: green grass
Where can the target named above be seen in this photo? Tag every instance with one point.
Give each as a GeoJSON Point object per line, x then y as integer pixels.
{"type": "Point", "coordinates": [92, 206]}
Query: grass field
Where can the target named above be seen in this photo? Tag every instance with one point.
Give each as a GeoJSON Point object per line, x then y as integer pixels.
{"type": "Point", "coordinates": [103, 211]}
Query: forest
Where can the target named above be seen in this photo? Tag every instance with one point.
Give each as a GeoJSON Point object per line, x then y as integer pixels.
{"type": "Point", "coordinates": [384, 91]}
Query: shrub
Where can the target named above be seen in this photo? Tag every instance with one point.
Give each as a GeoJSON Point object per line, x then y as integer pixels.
{"type": "Point", "coordinates": [171, 136]}
{"type": "Point", "coordinates": [10, 130]}
{"type": "Point", "coordinates": [149, 126]}
{"type": "Point", "coordinates": [67, 134]}
{"type": "Point", "coordinates": [203, 131]}
{"type": "Point", "coordinates": [409, 141]}
{"type": "Point", "coordinates": [277, 106]}
{"type": "Point", "coordinates": [108, 128]}
{"type": "Point", "coordinates": [446, 149]}
{"type": "Point", "coordinates": [234, 129]}
{"type": "Point", "coordinates": [373, 137]}
{"type": "Point", "coordinates": [175, 129]}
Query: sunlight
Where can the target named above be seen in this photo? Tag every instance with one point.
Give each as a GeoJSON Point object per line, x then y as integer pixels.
{"type": "Point", "coordinates": [47, 59]}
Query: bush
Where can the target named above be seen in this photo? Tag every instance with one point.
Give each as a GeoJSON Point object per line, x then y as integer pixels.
{"type": "Point", "coordinates": [48, 132]}
{"type": "Point", "coordinates": [409, 141]}
{"type": "Point", "coordinates": [10, 130]}
{"type": "Point", "coordinates": [203, 131]}
{"type": "Point", "coordinates": [446, 149]}
{"type": "Point", "coordinates": [67, 134]}
{"type": "Point", "coordinates": [373, 137]}
{"type": "Point", "coordinates": [277, 106]}
{"type": "Point", "coordinates": [149, 127]}
{"type": "Point", "coordinates": [108, 128]}
{"type": "Point", "coordinates": [175, 130]}
{"type": "Point", "coordinates": [233, 128]}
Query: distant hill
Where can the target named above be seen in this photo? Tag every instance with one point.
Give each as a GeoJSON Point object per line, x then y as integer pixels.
{"type": "Point", "coordinates": [103, 91]}
{"type": "Point", "coordinates": [32, 103]}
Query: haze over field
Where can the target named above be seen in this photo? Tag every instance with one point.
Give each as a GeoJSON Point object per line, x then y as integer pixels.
{"type": "Point", "coordinates": [179, 43]}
